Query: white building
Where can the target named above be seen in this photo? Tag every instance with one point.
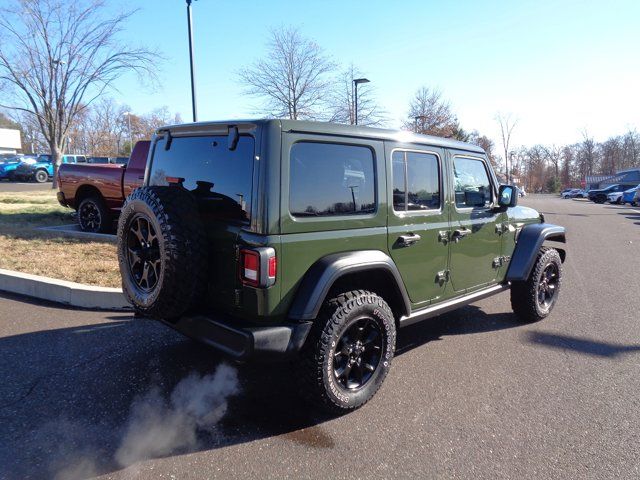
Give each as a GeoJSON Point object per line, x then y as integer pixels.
{"type": "Point", "coordinates": [9, 140]}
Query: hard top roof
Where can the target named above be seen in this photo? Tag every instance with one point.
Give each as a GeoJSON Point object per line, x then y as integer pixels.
{"type": "Point", "coordinates": [327, 128]}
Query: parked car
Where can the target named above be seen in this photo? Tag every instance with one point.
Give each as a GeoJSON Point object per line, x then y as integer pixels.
{"type": "Point", "coordinates": [74, 159]}
{"type": "Point", "coordinates": [314, 242]}
{"type": "Point", "coordinates": [97, 192]}
{"type": "Point", "coordinates": [8, 165]}
{"type": "Point", "coordinates": [571, 193]}
{"type": "Point", "coordinates": [629, 196]}
{"type": "Point", "coordinates": [615, 197]}
{"type": "Point", "coordinates": [636, 198]}
{"type": "Point", "coordinates": [41, 170]}
{"type": "Point", "coordinates": [98, 160]}
{"type": "Point", "coordinates": [521, 192]}
{"type": "Point", "coordinates": [600, 196]}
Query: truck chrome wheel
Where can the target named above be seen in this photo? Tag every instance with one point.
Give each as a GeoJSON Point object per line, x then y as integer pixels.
{"type": "Point", "coordinates": [547, 286]}
{"type": "Point", "coordinates": [89, 217]}
{"type": "Point", "coordinates": [143, 253]}
{"type": "Point", "coordinates": [357, 354]}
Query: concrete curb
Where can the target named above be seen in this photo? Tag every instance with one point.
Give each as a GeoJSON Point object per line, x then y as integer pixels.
{"type": "Point", "coordinates": [61, 291]}
{"type": "Point", "coordinates": [73, 230]}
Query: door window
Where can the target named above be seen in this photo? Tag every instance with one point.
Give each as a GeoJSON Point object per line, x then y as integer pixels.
{"type": "Point", "coordinates": [472, 184]}
{"type": "Point", "coordinates": [416, 181]}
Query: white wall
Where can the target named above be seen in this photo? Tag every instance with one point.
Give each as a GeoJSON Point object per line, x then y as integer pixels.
{"type": "Point", "coordinates": [10, 139]}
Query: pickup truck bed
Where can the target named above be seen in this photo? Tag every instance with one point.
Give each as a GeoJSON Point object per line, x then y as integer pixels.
{"type": "Point", "coordinates": [107, 185]}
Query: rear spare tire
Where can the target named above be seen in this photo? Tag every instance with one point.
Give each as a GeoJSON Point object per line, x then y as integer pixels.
{"type": "Point", "coordinates": [162, 251]}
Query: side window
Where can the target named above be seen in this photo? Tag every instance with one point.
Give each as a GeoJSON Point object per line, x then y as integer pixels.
{"type": "Point", "coordinates": [416, 181]}
{"type": "Point", "coordinates": [331, 179]}
{"type": "Point", "coordinates": [472, 184]}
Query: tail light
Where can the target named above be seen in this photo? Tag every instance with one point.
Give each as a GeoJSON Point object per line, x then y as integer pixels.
{"type": "Point", "coordinates": [258, 267]}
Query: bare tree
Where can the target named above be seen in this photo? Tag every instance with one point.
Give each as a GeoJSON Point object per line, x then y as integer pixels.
{"type": "Point", "coordinates": [293, 80]}
{"type": "Point", "coordinates": [343, 101]}
{"type": "Point", "coordinates": [507, 124]}
{"type": "Point", "coordinates": [57, 57]}
{"type": "Point", "coordinates": [554, 156]}
{"type": "Point", "coordinates": [430, 114]}
{"type": "Point", "coordinates": [486, 144]}
{"type": "Point", "coordinates": [588, 159]}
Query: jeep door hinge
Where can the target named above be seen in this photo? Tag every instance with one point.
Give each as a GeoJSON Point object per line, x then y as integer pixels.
{"type": "Point", "coordinates": [443, 236]}
{"type": "Point", "coordinates": [500, 261]}
{"type": "Point", "coordinates": [442, 277]}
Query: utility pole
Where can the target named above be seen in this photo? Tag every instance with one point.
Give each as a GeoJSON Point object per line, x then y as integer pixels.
{"type": "Point", "coordinates": [193, 82]}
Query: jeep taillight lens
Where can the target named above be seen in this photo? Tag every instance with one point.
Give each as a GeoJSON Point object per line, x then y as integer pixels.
{"type": "Point", "coordinates": [250, 262]}
{"type": "Point", "coordinates": [258, 267]}
{"type": "Point", "coordinates": [273, 267]}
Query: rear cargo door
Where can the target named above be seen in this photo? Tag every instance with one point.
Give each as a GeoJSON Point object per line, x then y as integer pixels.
{"type": "Point", "coordinates": [222, 181]}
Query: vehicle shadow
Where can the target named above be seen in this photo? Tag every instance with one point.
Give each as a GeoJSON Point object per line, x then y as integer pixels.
{"type": "Point", "coordinates": [584, 346]}
{"type": "Point", "coordinates": [67, 394]}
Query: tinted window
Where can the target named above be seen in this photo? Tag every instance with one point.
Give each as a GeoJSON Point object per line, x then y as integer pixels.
{"type": "Point", "coordinates": [472, 185]}
{"type": "Point", "coordinates": [331, 179]}
{"type": "Point", "coordinates": [220, 178]}
{"type": "Point", "coordinates": [416, 182]}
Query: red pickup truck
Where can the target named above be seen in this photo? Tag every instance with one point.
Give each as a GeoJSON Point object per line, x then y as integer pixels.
{"type": "Point", "coordinates": [97, 191]}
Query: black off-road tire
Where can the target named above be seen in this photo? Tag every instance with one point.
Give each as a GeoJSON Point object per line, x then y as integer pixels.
{"type": "Point", "coordinates": [93, 216]}
{"type": "Point", "coordinates": [525, 296]}
{"type": "Point", "coordinates": [315, 367]}
{"type": "Point", "coordinates": [180, 245]}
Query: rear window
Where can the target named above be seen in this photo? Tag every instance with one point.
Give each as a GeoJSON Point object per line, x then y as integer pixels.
{"type": "Point", "coordinates": [331, 179]}
{"type": "Point", "coordinates": [220, 178]}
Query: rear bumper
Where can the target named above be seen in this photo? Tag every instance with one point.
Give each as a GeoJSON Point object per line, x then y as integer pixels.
{"type": "Point", "coordinates": [244, 342]}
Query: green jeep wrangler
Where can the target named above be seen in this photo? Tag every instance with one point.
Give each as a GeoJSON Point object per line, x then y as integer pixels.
{"type": "Point", "coordinates": [316, 242]}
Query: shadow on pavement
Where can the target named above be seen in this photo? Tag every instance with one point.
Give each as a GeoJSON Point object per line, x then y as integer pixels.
{"type": "Point", "coordinates": [66, 394]}
{"type": "Point", "coordinates": [580, 345]}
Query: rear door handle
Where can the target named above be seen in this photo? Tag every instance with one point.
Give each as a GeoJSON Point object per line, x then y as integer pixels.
{"type": "Point", "coordinates": [461, 233]}
{"type": "Point", "coordinates": [408, 240]}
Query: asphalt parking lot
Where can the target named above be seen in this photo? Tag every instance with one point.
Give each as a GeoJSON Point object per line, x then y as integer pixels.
{"type": "Point", "coordinates": [471, 394]}
{"type": "Point", "coordinates": [24, 186]}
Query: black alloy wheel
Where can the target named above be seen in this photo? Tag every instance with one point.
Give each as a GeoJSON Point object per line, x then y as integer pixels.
{"type": "Point", "coordinates": [358, 353]}
{"type": "Point", "coordinates": [90, 217]}
{"type": "Point", "coordinates": [547, 286]}
{"type": "Point", "coordinates": [143, 253]}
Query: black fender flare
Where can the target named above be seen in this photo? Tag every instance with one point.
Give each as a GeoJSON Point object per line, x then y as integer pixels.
{"type": "Point", "coordinates": [319, 279]}
{"type": "Point", "coordinates": [528, 245]}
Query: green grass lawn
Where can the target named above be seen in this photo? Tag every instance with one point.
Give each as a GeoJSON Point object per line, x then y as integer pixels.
{"type": "Point", "coordinates": [26, 249]}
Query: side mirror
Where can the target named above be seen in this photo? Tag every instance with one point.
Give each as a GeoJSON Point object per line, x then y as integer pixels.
{"type": "Point", "coordinates": [507, 196]}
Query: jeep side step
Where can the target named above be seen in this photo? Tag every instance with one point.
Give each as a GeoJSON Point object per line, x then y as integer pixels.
{"type": "Point", "coordinates": [454, 303]}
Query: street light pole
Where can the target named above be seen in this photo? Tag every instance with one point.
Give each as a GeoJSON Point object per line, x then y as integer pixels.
{"type": "Point", "coordinates": [128, 114]}
{"type": "Point", "coordinates": [511, 155]}
{"type": "Point", "coordinates": [193, 82]}
{"type": "Point", "coordinates": [416, 118]}
{"type": "Point", "coordinates": [356, 82]}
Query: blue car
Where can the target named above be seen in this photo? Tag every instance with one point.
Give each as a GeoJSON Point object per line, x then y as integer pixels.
{"type": "Point", "coordinates": [9, 165]}
{"type": "Point", "coordinates": [39, 170]}
{"type": "Point", "coordinates": [629, 196]}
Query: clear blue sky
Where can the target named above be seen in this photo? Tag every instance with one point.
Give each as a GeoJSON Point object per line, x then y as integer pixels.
{"type": "Point", "coordinates": [559, 67]}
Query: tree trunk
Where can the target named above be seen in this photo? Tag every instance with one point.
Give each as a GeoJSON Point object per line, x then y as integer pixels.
{"type": "Point", "coordinates": [56, 159]}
